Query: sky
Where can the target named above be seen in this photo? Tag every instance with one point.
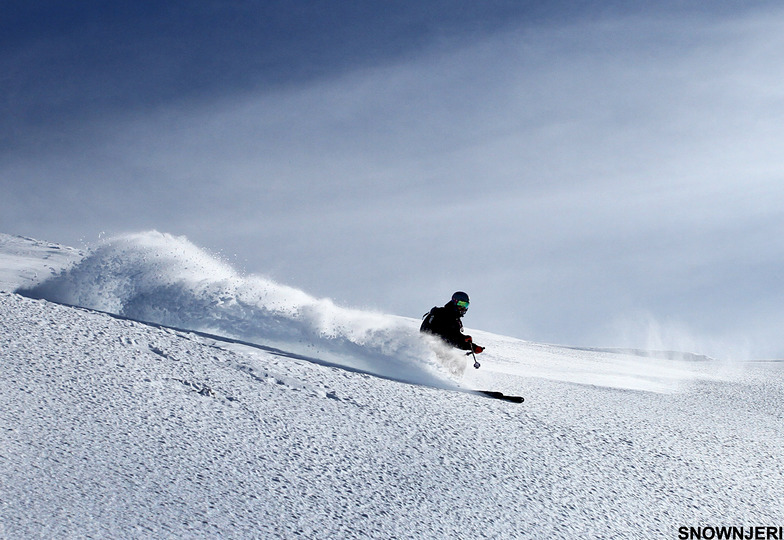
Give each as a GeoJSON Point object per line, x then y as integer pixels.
{"type": "Point", "coordinates": [592, 174]}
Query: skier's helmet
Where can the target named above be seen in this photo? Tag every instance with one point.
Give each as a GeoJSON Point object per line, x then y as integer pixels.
{"type": "Point", "coordinates": [461, 301]}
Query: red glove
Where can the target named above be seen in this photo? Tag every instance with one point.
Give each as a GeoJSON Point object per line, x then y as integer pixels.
{"type": "Point", "coordinates": [468, 339]}
{"type": "Point", "coordinates": [477, 348]}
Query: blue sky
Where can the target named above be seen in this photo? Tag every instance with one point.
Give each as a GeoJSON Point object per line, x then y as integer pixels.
{"type": "Point", "coordinates": [593, 174]}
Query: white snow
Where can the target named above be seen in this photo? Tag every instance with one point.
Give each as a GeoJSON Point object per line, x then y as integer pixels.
{"type": "Point", "coordinates": [248, 409]}
{"type": "Point", "coordinates": [26, 261]}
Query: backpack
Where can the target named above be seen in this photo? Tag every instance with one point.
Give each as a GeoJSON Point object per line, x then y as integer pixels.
{"type": "Point", "coordinates": [427, 321]}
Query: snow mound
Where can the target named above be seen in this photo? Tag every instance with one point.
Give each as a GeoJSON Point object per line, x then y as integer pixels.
{"type": "Point", "coordinates": [164, 279]}
{"type": "Point", "coordinates": [26, 261]}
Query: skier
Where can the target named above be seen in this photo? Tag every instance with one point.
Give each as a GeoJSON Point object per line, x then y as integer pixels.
{"type": "Point", "coordinates": [445, 323]}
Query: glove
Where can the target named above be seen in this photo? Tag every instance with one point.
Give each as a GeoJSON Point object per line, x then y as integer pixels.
{"type": "Point", "coordinates": [468, 339]}
{"type": "Point", "coordinates": [477, 348]}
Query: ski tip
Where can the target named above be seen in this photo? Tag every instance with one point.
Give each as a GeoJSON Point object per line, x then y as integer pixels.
{"type": "Point", "coordinates": [501, 396]}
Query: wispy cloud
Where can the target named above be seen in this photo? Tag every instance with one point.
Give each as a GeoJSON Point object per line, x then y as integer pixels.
{"type": "Point", "coordinates": [565, 176]}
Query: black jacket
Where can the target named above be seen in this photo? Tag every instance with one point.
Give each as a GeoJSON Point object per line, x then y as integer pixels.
{"type": "Point", "coordinates": [445, 323]}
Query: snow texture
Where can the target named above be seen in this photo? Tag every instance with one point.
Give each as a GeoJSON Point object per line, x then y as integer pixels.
{"type": "Point", "coordinates": [167, 280]}
{"type": "Point", "coordinates": [251, 410]}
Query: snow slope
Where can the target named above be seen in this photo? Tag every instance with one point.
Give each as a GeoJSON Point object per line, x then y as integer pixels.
{"type": "Point", "coordinates": [116, 428]}
{"type": "Point", "coordinates": [163, 279]}
{"type": "Point", "coordinates": [26, 261]}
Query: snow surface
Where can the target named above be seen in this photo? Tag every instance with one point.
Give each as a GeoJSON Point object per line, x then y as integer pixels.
{"type": "Point", "coordinates": [246, 409]}
{"type": "Point", "coordinates": [26, 261]}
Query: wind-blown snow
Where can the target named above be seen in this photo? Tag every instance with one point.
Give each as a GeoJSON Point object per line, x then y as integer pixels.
{"type": "Point", "coordinates": [167, 280]}
{"type": "Point", "coordinates": [164, 279]}
{"type": "Point", "coordinates": [113, 428]}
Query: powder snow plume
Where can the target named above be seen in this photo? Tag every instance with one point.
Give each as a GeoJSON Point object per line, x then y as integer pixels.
{"type": "Point", "coordinates": [164, 279]}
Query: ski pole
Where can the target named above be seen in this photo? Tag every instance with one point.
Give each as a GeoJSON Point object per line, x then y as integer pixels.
{"type": "Point", "coordinates": [471, 352]}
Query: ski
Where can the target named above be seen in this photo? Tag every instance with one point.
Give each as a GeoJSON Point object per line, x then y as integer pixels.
{"type": "Point", "coordinates": [501, 396]}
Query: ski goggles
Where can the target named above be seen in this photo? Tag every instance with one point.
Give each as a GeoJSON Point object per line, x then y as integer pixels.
{"type": "Point", "coordinates": [462, 304]}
